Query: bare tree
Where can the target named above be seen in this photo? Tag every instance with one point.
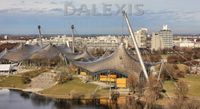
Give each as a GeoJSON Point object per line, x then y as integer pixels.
{"type": "Point", "coordinates": [152, 92]}
{"type": "Point", "coordinates": [132, 82]}
{"type": "Point", "coordinates": [181, 89]}
{"type": "Point", "coordinates": [182, 100]}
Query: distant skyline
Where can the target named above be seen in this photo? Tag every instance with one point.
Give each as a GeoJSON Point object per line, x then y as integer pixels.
{"type": "Point", "coordinates": [23, 16]}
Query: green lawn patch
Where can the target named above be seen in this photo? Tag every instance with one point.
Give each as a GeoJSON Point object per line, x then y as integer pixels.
{"type": "Point", "coordinates": [12, 81]}
{"type": "Point", "coordinates": [73, 85]}
{"type": "Point", "coordinates": [16, 81]}
{"type": "Point", "coordinates": [191, 80]}
{"type": "Point", "coordinates": [193, 84]}
{"type": "Point", "coordinates": [2, 77]}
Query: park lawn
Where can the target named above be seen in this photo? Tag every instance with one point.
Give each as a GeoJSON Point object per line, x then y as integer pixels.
{"type": "Point", "coordinates": [15, 81]}
{"type": "Point", "coordinates": [193, 85]}
{"type": "Point", "coordinates": [73, 85]}
{"type": "Point", "coordinates": [12, 81]}
{"type": "Point", "coordinates": [103, 92]}
{"type": "Point", "coordinates": [2, 77]}
{"type": "Point", "coordinates": [169, 87]}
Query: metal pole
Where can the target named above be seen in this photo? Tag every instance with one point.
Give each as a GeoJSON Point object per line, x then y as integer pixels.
{"type": "Point", "coordinates": [161, 69]}
{"type": "Point", "coordinates": [40, 35]}
{"type": "Point", "coordinates": [110, 86]}
{"type": "Point", "coordinates": [135, 44]}
{"type": "Point", "coordinates": [73, 48]}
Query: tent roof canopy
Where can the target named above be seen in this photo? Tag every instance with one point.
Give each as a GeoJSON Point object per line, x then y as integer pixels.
{"type": "Point", "coordinates": [34, 52]}
{"type": "Point", "coordinates": [120, 61]}
{"type": "Point", "coordinates": [20, 52]}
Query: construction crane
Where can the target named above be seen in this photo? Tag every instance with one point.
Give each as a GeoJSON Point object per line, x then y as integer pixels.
{"type": "Point", "coordinates": [136, 46]}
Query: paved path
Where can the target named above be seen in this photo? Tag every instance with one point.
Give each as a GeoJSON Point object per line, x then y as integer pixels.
{"type": "Point", "coordinates": [102, 84]}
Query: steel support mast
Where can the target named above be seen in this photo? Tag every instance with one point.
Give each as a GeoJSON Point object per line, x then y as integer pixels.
{"type": "Point", "coordinates": [136, 46]}
{"type": "Point", "coordinates": [40, 35]}
{"type": "Point", "coordinates": [73, 48]}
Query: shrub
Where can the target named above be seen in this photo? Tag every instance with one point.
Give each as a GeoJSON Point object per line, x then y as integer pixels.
{"type": "Point", "coordinates": [181, 90]}
{"type": "Point", "coordinates": [186, 104]}
{"type": "Point", "coordinates": [172, 71]}
{"type": "Point", "coordinates": [175, 59]}
{"type": "Point", "coordinates": [63, 77]}
{"type": "Point", "coordinates": [76, 95]}
{"type": "Point", "coordinates": [71, 69]}
{"type": "Point", "coordinates": [26, 79]}
{"type": "Point", "coordinates": [152, 58]}
{"type": "Point", "coordinates": [152, 92]}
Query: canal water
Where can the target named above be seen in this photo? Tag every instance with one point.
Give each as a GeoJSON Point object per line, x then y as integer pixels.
{"type": "Point", "coordinates": [13, 99]}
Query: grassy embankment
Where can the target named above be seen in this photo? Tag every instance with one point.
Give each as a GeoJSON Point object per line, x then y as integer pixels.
{"type": "Point", "coordinates": [58, 91]}
{"type": "Point", "coordinates": [12, 82]}
{"type": "Point", "coordinates": [16, 81]}
{"type": "Point", "coordinates": [191, 80]}
{"type": "Point", "coordinates": [63, 90]}
{"type": "Point", "coordinates": [193, 85]}
{"type": "Point", "coordinates": [74, 86]}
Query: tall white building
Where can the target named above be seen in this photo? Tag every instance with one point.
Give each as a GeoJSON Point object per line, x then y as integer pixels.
{"type": "Point", "coordinates": [163, 39]}
{"type": "Point", "coordinates": [141, 37]}
{"type": "Point", "coordinates": [166, 37]}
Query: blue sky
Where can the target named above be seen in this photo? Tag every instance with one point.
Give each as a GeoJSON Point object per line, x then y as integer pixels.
{"type": "Point", "coordinates": [23, 16]}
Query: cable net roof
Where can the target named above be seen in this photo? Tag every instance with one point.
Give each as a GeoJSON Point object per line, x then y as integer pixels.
{"type": "Point", "coordinates": [3, 52]}
{"type": "Point", "coordinates": [20, 52]}
{"type": "Point", "coordinates": [52, 51]}
{"type": "Point", "coordinates": [64, 49]}
{"type": "Point", "coordinates": [35, 52]}
{"type": "Point", "coordinates": [84, 56]}
{"type": "Point", "coordinates": [48, 52]}
{"type": "Point", "coordinates": [120, 60]}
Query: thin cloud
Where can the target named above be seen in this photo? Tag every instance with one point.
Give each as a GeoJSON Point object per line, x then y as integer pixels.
{"type": "Point", "coordinates": [57, 10]}
{"type": "Point", "coordinates": [160, 12]}
{"type": "Point", "coordinates": [53, 2]}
